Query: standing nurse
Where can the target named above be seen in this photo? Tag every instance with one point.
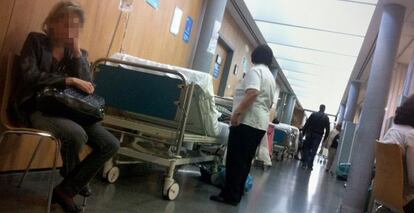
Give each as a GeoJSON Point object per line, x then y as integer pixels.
{"type": "Point", "coordinates": [249, 123]}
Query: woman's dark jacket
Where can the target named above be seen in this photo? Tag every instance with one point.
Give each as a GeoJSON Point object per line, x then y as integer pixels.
{"type": "Point", "coordinates": [39, 69]}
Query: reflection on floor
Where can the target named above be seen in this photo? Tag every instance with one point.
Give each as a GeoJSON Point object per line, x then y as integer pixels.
{"type": "Point", "coordinates": [283, 188]}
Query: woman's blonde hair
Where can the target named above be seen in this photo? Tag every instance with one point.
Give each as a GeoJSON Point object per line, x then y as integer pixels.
{"type": "Point", "coordinates": [60, 9]}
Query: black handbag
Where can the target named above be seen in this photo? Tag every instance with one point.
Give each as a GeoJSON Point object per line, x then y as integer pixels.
{"type": "Point", "coordinates": [71, 103]}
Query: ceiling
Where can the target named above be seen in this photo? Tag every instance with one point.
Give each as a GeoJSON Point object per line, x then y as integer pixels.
{"type": "Point", "coordinates": [405, 50]}
{"type": "Point", "coordinates": [316, 43]}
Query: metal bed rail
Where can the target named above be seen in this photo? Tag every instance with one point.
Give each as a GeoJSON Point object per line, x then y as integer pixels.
{"type": "Point", "coordinates": [170, 186]}
{"type": "Point", "coordinates": [184, 104]}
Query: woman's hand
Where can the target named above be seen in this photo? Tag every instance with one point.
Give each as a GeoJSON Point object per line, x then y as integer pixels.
{"type": "Point", "coordinates": [80, 84]}
{"type": "Point", "coordinates": [73, 45]}
{"type": "Point", "coordinates": [235, 119]}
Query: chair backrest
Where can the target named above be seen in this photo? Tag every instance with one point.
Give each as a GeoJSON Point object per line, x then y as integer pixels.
{"type": "Point", "coordinates": [9, 86]}
{"type": "Point", "coordinates": [389, 175]}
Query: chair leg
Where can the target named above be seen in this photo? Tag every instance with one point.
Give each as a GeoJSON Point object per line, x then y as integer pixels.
{"type": "Point", "coordinates": [84, 203]}
{"type": "Point", "coordinates": [52, 178]}
{"type": "Point", "coordinates": [1, 138]}
{"type": "Point", "coordinates": [31, 161]}
{"type": "Point", "coordinates": [379, 208]}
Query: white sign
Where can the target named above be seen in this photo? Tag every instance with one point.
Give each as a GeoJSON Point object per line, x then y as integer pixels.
{"type": "Point", "coordinates": [214, 38]}
{"type": "Point", "coordinates": [126, 5]}
{"type": "Point", "coordinates": [176, 21]}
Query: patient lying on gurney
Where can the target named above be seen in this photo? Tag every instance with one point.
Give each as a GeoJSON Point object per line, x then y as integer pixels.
{"type": "Point", "coordinates": [203, 115]}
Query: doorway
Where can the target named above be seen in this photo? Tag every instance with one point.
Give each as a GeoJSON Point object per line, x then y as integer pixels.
{"type": "Point", "coordinates": [220, 66]}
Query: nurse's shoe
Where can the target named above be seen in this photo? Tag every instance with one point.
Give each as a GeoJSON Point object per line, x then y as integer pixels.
{"type": "Point", "coordinates": [220, 199]}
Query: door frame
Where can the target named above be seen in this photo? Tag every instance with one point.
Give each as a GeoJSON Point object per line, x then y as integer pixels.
{"type": "Point", "coordinates": [227, 65]}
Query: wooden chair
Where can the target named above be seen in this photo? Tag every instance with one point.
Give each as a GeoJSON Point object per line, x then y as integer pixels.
{"type": "Point", "coordinates": [389, 177]}
{"type": "Point", "coordinates": [13, 129]}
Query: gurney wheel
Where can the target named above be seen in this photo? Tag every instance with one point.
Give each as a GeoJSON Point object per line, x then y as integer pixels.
{"type": "Point", "coordinates": [112, 175]}
{"type": "Point", "coordinates": [172, 192]}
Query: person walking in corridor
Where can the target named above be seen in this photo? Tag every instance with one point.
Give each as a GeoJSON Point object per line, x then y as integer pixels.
{"type": "Point", "coordinates": [332, 145]}
{"type": "Point", "coordinates": [313, 131]}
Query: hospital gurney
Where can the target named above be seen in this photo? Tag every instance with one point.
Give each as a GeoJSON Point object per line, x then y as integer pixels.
{"type": "Point", "coordinates": [162, 110]}
{"type": "Point", "coordinates": [285, 141]}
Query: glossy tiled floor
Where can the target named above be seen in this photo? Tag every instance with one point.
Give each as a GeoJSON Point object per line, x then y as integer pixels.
{"type": "Point", "coordinates": [283, 188]}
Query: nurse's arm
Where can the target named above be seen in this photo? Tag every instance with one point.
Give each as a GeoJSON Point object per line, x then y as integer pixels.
{"type": "Point", "coordinates": [248, 100]}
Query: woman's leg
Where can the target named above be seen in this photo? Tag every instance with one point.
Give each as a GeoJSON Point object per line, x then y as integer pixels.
{"type": "Point", "coordinates": [243, 142]}
{"type": "Point", "coordinates": [232, 159]}
{"type": "Point", "coordinates": [73, 138]}
{"type": "Point", "coordinates": [104, 146]}
{"type": "Point", "coordinates": [331, 156]}
{"type": "Point", "coordinates": [71, 134]}
{"type": "Point", "coordinates": [251, 141]}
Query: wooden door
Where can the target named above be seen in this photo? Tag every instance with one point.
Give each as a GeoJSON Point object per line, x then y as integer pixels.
{"type": "Point", "coordinates": [217, 67]}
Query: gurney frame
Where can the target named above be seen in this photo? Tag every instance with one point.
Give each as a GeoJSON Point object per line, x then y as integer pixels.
{"type": "Point", "coordinates": [172, 134]}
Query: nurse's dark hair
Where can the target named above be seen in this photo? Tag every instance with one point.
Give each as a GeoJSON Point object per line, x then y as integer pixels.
{"type": "Point", "coordinates": [404, 115]}
{"type": "Point", "coordinates": [262, 54]}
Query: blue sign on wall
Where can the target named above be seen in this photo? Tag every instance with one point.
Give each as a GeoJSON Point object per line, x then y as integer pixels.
{"type": "Point", "coordinates": [216, 72]}
{"type": "Point", "coordinates": [188, 28]}
{"type": "Point", "coordinates": [245, 65]}
{"type": "Point", "coordinates": [154, 3]}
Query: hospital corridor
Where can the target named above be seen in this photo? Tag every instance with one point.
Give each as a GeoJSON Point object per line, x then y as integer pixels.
{"type": "Point", "coordinates": [227, 106]}
{"type": "Point", "coordinates": [284, 188]}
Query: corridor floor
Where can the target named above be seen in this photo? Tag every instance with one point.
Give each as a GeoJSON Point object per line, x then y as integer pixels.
{"type": "Point", "coordinates": [284, 188]}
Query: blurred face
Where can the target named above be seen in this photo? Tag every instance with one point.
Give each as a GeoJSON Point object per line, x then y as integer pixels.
{"type": "Point", "coordinates": [66, 28]}
{"type": "Point", "coordinates": [338, 127]}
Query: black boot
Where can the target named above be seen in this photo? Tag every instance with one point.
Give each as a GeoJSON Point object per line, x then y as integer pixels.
{"type": "Point", "coordinates": [86, 191]}
{"type": "Point", "coordinates": [65, 199]}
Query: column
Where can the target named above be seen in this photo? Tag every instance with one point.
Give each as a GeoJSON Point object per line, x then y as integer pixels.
{"type": "Point", "coordinates": [290, 108]}
{"type": "Point", "coordinates": [409, 81]}
{"type": "Point", "coordinates": [210, 27]}
{"type": "Point", "coordinates": [359, 177]}
{"type": "Point", "coordinates": [281, 105]}
{"type": "Point", "coordinates": [275, 71]}
{"type": "Point", "coordinates": [352, 101]}
{"type": "Point", "coordinates": [348, 127]}
{"type": "Point", "coordinates": [341, 113]}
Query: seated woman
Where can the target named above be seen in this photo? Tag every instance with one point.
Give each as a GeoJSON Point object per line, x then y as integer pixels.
{"type": "Point", "coordinates": [54, 59]}
{"type": "Point", "coordinates": [402, 133]}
